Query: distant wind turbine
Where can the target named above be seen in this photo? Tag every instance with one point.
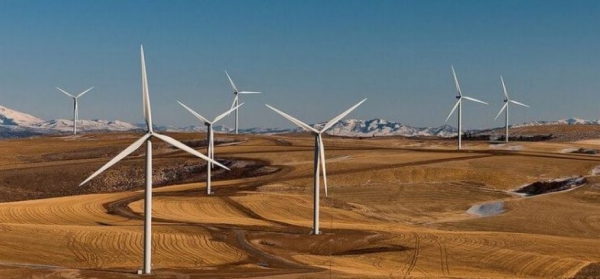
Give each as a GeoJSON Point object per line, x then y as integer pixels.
{"type": "Point", "coordinates": [236, 100]}
{"type": "Point", "coordinates": [458, 104]}
{"type": "Point", "coordinates": [505, 107]}
{"type": "Point", "coordinates": [75, 106]}
{"type": "Point", "coordinates": [210, 146]}
{"type": "Point", "coordinates": [146, 138]}
{"type": "Point", "coordinates": [319, 158]}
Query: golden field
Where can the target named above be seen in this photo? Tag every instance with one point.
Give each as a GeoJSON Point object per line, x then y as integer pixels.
{"type": "Point", "coordinates": [397, 208]}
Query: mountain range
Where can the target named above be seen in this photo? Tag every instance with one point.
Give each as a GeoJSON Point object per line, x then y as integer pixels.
{"type": "Point", "coordinates": [16, 124]}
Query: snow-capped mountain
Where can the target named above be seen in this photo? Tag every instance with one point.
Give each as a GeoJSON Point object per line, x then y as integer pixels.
{"type": "Point", "coordinates": [225, 129]}
{"type": "Point", "coordinates": [11, 117]}
{"type": "Point", "coordinates": [18, 124]}
{"type": "Point", "coordinates": [568, 121]}
{"type": "Point", "coordinates": [96, 125]}
{"type": "Point", "coordinates": [382, 127]}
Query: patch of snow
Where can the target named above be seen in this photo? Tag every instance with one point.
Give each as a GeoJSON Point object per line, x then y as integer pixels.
{"type": "Point", "coordinates": [487, 209]}
{"type": "Point", "coordinates": [506, 147]}
{"type": "Point", "coordinates": [542, 188]}
{"type": "Point", "coordinates": [568, 150]}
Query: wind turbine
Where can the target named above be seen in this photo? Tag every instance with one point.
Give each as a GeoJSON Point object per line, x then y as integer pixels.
{"type": "Point", "coordinates": [75, 107]}
{"type": "Point", "coordinates": [210, 147]}
{"type": "Point", "coordinates": [505, 107]}
{"type": "Point", "coordinates": [458, 104]}
{"type": "Point", "coordinates": [236, 100]}
{"type": "Point", "coordinates": [146, 138]}
{"type": "Point", "coordinates": [319, 158]}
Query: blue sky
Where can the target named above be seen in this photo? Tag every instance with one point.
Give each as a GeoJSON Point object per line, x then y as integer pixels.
{"type": "Point", "coordinates": [312, 59]}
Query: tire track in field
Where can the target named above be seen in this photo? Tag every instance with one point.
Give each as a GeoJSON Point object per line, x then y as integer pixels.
{"type": "Point", "coordinates": [271, 260]}
{"type": "Point", "coordinates": [443, 256]}
{"type": "Point", "coordinates": [121, 208]}
{"type": "Point", "coordinates": [413, 259]}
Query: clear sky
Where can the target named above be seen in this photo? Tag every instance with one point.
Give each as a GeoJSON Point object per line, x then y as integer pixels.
{"type": "Point", "coordinates": [312, 59]}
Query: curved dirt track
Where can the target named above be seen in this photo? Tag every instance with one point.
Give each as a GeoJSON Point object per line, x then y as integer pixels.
{"type": "Point", "coordinates": [393, 212]}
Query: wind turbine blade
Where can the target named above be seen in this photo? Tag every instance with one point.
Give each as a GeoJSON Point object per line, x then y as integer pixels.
{"type": "Point", "coordinates": [231, 81]}
{"type": "Point", "coordinates": [456, 82]}
{"type": "Point", "coordinates": [339, 117]}
{"type": "Point", "coordinates": [81, 94]}
{"type": "Point", "coordinates": [248, 92]}
{"type": "Point", "coordinates": [453, 109]}
{"type": "Point", "coordinates": [200, 117]}
{"type": "Point", "coordinates": [65, 92]}
{"type": "Point", "coordinates": [187, 149]}
{"type": "Point", "coordinates": [119, 157]}
{"type": "Point", "coordinates": [145, 94]}
{"type": "Point", "coordinates": [504, 88]}
{"type": "Point", "coordinates": [475, 100]}
{"type": "Point", "coordinates": [295, 121]}
{"type": "Point", "coordinates": [234, 101]}
{"type": "Point", "coordinates": [322, 155]}
{"type": "Point", "coordinates": [225, 113]}
{"type": "Point", "coordinates": [517, 103]}
{"type": "Point", "coordinates": [501, 110]}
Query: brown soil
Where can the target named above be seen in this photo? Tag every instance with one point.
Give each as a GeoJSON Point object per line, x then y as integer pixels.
{"type": "Point", "coordinates": [396, 208]}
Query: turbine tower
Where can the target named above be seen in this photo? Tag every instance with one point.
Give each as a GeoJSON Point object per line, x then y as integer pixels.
{"type": "Point", "coordinates": [319, 157]}
{"type": "Point", "coordinates": [210, 146]}
{"type": "Point", "coordinates": [75, 106]}
{"type": "Point", "coordinates": [505, 107]}
{"type": "Point", "coordinates": [236, 100]}
{"type": "Point", "coordinates": [458, 104]}
{"type": "Point", "coordinates": [146, 138]}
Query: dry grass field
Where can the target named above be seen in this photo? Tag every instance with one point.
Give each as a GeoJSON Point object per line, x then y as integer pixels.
{"type": "Point", "coordinates": [397, 208]}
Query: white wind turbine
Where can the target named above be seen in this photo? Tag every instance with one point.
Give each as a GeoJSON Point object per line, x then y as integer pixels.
{"type": "Point", "coordinates": [458, 104]}
{"type": "Point", "coordinates": [146, 138]}
{"type": "Point", "coordinates": [210, 146]}
{"type": "Point", "coordinates": [236, 100]}
{"type": "Point", "coordinates": [75, 106]}
{"type": "Point", "coordinates": [505, 107]}
{"type": "Point", "coordinates": [319, 157]}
